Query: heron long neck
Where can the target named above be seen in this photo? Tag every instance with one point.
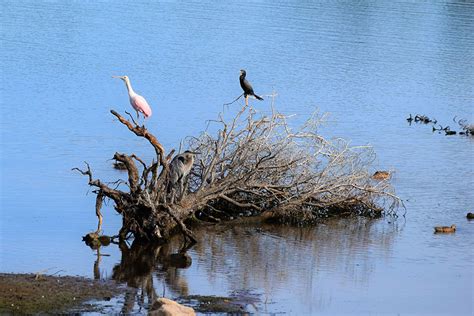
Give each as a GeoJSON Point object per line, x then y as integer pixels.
{"type": "Point", "coordinates": [189, 163]}
{"type": "Point", "coordinates": [129, 87]}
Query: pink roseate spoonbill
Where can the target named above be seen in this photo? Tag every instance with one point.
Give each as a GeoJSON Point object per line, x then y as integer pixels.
{"type": "Point", "coordinates": [138, 102]}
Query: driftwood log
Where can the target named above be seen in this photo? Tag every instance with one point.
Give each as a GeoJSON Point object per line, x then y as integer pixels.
{"type": "Point", "coordinates": [253, 165]}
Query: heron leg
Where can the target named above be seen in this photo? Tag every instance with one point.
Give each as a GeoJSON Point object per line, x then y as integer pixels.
{"type": "Point", "coordinates": [173, 193]}
{"type": "Point", "coordinates": [181, 189]}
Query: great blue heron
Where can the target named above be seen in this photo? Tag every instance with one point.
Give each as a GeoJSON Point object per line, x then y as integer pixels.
{"type": "Point", "coordinates": [247, 87]}
{"type": "Point", "coordinates": [180, 167]}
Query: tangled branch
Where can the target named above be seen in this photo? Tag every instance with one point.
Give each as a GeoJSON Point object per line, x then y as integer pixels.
{"type": "Point", "coordinates": [253, 165]}
{"type": "Point", "coordinates": [258, 163]}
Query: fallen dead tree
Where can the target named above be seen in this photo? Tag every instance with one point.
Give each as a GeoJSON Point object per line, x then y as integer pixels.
{"type": "Point", "coordinates": [254, 165]}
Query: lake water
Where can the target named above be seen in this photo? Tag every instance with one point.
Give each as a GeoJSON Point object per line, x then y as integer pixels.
{"type": "Point", "coordinates": [368, 63]}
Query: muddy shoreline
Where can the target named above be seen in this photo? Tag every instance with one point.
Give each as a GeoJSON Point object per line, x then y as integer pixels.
{"type": "Point", "coordinates": [48, 294]}
{"type": "Point", "coordinates": [37, 293]}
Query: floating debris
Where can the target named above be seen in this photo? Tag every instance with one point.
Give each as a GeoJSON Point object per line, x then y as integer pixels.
{"type": "Point", "coordinates": [467, 129]}
{"type": "Point", "coordinates": [447, 130]}
{"type": "Point", "coordinates": [424, 119]}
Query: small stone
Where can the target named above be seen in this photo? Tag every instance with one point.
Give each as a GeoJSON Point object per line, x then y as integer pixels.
{"type": "Point", "coordinates": [167, 307]}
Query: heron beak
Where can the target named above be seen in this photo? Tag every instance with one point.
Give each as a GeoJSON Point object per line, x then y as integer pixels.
{"type": "Point", "coordinates": [118, 77]}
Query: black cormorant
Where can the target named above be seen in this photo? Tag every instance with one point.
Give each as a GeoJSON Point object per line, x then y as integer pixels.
{"type": "Point", "coordinates": [247, 87]}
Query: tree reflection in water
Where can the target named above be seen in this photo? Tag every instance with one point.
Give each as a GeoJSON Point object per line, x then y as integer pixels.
{"type": "Point", "coordinates": [137, 266]}
{"type": "Point", "coordinates": [297, 264]}
{"type": "Point", "coordinates": [281, 264]}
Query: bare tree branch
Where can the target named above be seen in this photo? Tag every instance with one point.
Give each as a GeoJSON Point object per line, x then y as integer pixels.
{"type": "Point", "coordinates": [143, 132]}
